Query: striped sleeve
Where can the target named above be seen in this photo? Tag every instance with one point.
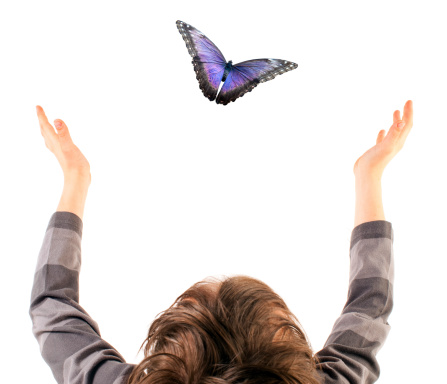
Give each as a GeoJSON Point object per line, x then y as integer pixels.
{"type": "Point", "coordinates": [349, 354]}
{"type": "Point", "coordinates": [69, 339]}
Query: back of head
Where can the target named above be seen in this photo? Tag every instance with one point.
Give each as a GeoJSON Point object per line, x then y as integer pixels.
{"type": "Point", "coordinates": [233, 331]}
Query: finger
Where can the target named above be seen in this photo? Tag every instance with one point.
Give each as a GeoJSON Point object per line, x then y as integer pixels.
{"type": "Point", "coordinates": [394, 132]}
{"type": "Point", "coordinates": [380, 136]}
{"type": "Point", "coordinates": [45, 127]}
{"type": "Point", "coordinates": [396, 136]}
{"type": "Point", "coordinates": [63, 134]}
{"type": "Point", "coordinates": [408, 118]}
{"type": "Point", "coordinates": [408, 113]}
{"type": "Point", "coordinates": [396, 116]}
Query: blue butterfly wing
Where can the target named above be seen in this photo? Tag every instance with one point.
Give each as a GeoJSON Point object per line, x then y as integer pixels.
{"type": "Point", "coordinates": [245, 76]}
{"type": "Point", "coordinates": [209, 62]}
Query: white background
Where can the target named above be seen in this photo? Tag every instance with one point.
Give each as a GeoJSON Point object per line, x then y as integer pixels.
{"type": "Point", "coordinates": [183, 188]}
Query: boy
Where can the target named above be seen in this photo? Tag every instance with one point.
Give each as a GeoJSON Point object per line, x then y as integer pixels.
{"type": "Point", "coordinates": [232, 331]}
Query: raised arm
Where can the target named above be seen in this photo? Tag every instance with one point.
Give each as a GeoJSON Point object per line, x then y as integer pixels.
{"type": "Point", "coordinates": [69, 339]}
{"type": "Point", "coordinates": [349, 354]}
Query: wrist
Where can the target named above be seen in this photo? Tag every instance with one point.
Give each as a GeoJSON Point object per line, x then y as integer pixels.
{"type": "Point", "coordinates": [366, 177]}
{"type": "Point", "coordinates": [79, 178]}
{"type": "Point", "coordinates": [366, 169]}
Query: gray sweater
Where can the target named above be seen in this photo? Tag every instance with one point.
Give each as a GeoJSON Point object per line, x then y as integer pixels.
{"type": "Point", "coordinates": [71, 344]}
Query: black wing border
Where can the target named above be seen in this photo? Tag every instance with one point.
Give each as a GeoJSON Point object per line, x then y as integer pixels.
{"type": "Point", "coordinates": [201, 75]}
{"type": "Point", "coordinates": [285, 66]}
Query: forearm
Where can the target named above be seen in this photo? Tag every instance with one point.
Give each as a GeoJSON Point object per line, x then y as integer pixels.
{"type": "Point", "coordinates": [368, 199]}
{"type": "Point", "coordinates": [74, 194]}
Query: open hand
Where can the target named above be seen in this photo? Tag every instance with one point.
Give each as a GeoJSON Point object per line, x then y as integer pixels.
{"type": "Point", "coordinates": [375, 160]}
{"type": "Point", "coordinates": [71, 159]}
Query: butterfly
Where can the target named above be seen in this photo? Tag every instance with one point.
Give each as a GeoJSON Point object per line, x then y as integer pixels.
{"type": "Point", "coordinates": [212, 68]}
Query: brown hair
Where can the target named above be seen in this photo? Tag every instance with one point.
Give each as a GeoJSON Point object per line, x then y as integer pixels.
{"type": "Point", "coordinates": [237, 330]}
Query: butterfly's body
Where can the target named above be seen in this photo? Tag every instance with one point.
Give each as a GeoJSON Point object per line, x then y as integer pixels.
{"type": "Point", "coordinates": [227, 70]}
{"type": "Point", "coordinates": [211, 68]}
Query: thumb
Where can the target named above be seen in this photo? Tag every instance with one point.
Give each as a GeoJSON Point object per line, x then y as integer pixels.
{"type": "Point", "coordinates": [62, 132]}
{"type": "Point", "coordinates": [380, 136]}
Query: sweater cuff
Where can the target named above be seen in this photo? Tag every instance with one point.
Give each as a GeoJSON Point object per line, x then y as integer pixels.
{"type": "Point", "coordinates": [67, 220]}
{"type": "Point", "coordinates": [371, 230]}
